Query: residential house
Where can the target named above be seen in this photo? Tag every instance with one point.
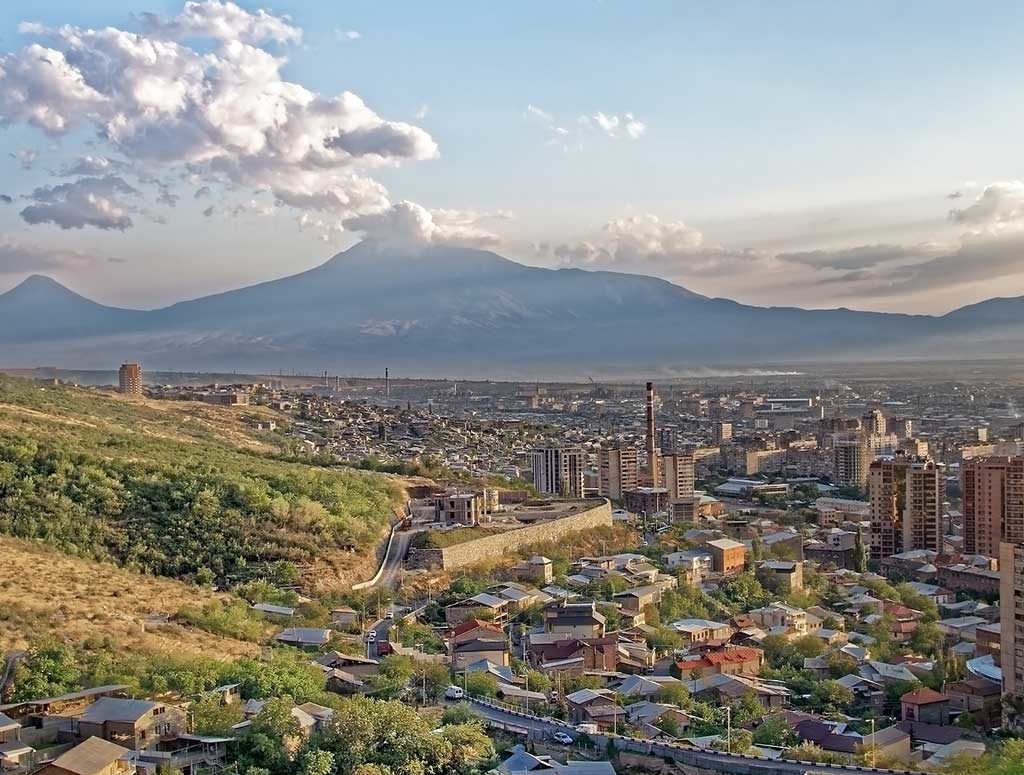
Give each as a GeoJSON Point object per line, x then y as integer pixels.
{"type": "Point", "coordinates": [701, 630]}
{"type": "Point", "coordinates": [469, 651]}
{"type": "Point", "coordinates": [538, 570]}
{"type": "Point", "coordinates": [866, 693]}
{"type": "Point", "coordinates": [344, 616]}
{"type": "Point", "coordinates": [977, 696]}
{"type": "Point", "coordinates": [574, 656]}
{"type": "Point", "coordinates": [925, 705]}
{"type": "Point", "coordinates": [304, 637]}
{"type": "Point", "coordinates": [274, 611]}
{"type": "Point", "coordinates": [581, 620]}
{"type": "Point", "coordinates": [135, 724]}
{"type": "Point", "coordinates": [644, 715]}
{"type": "Point", "coordinates": [781, 576]}
{"type": "Point", "coordinates": [638, 598]}
{"type": "Point", "coordinates": [496, 609]}
{"type": "Point", "coordinates": [884, 673]}
{"type": "Point", "coordinates": [94, 756]}
{"type": "Point", "coordinates": [693, 565]}
{"type": "Point", "coordinates": [727, 556]}
{"type": "Point", "coordinates": [595, 706]}
{"type": "Point", "coordinates": [14, 754]}
{"type": "Point", "coordinates": [961, 628]}
{"type": "Point", "coordinates": [730, 660]}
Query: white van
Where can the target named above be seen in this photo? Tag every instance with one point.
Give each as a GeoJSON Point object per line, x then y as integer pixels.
{"type": "Point", "coordinates": [371, 636]}
{"type": "Point", "coordinates": [454, 693]}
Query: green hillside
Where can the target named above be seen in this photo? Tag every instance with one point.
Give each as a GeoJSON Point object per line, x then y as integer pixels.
{"type": "Point", "coordinates": [174, 488]}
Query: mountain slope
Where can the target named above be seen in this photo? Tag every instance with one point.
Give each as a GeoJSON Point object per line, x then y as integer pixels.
{"type": "Point", "coordinates": [459, 311]}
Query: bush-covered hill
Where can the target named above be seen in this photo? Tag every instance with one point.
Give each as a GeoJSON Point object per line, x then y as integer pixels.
{"type": "Point", "coordinates": [173, 488]}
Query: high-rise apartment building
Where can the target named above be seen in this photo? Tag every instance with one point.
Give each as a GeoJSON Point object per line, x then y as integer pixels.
{"type": "Point", "coordinates": [874, 422]}
{"type": "Point", "coordinates": [129, 378]}
{"type": "Point", "coordinates": [851, 458]}
{"type": "Point", "coordinates": [1011, 626]}
{"type": "Point", "coordinates": [722, 433]}
{"type": "Point", "coordinates": [677, 477]}
{"type": "Point", "coordinates": [618, 471]}
{"type": "Point", "coordinates": [905, 505]}
{"type": "Point", "coordinates": [559, 471]}
{"type": "Point", "coordinates": [993, 503]}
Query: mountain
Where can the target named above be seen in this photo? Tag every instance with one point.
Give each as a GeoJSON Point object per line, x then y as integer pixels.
{"type": "Point", "coordinates": [465, 312]}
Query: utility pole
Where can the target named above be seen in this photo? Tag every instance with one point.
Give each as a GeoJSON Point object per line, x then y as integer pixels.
{"type": "Point", "coordinates": [728, 727]}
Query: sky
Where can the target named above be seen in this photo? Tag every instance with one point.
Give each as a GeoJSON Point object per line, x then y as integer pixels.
{"type": "Point", "coordinates": [864, 155]}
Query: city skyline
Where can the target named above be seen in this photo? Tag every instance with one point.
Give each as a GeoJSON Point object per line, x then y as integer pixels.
{"type": "Point", "coordinates": [807, 157]}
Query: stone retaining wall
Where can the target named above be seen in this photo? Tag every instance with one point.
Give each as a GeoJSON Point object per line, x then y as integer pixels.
{"type": "Point", "coordinates": [489, 547]}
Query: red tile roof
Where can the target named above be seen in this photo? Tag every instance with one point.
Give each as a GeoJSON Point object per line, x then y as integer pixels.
{"type": "Point", "coordinates": [472, 624]}
{"type": "Point", "coordinates": [923, 696]}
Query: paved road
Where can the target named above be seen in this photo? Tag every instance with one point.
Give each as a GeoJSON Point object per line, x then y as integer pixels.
{"type": "Point", "coordinates": [395, 558]}
{"type": "Point", "coordinates": [720, 761]}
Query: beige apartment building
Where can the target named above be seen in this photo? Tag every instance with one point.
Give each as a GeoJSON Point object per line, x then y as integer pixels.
{"type": "Point", "coordinates": [618, 471]}
{"type": "Point", "coordinates": [993, 503]}
{"type": "Point", "coordinates": [905, 505]}
{"type": "Point", "coordinates": [677, 477]}
{"type": "Point", "coordinates": [852, 458]}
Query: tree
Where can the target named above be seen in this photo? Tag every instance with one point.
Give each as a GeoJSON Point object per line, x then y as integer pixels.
{"type": "Point", "coordinates": [808, 646]}
{"type": "Point", "coordinates": [831, 696]}
{"type": "Point", "coordinates": [860, 554]}
{"type": "Point", "coordinates": [481, 684]}
{"type": "Point", "coordinates": [49, 669]}
{"type": "Point", "coordinates": [434, 676]}
{"type": "Point", "coordinates": [313, 761]}
{"type": "Point", "coordinates": [673, 694]}
{"type": "Point", "coordinates": [212, 717]}
{"type": "Point", "coordinates": [392, 677]}
{"type": "Point", "coordinates": [739, 741]}
{"type": "Point", "coordinates": [457, 714]}
{"type": "Point", "coordinates": [774, 731]}
{"type": "Point", "coordinates": [927, 639]}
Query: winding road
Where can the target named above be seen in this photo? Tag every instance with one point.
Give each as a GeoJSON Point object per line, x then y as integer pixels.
{"type": "Point", "coordinates": [719, 761]}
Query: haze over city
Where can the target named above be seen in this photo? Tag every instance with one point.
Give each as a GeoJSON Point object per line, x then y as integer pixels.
{"type": "Point", "coordinates": [815, 156]}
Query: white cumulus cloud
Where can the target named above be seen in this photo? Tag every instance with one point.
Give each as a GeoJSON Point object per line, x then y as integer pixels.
{"type": "Point", "coordinates": [409, 225]}
{"type": "Point", "coordinates": [223, 20]}
{"type": "Point", "coordinates": [221, 113]}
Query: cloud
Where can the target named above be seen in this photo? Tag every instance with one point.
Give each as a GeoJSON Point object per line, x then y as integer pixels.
{"type": "Point", "coordinates": [860, 256]}
{"type": "Point", "coordinates": [208, 211]}
{"type": "Point", "coordinates": [222, 112]}
{"type": "Point", "coordinates": [347, 35]}
{"type": "Point", "coordinates": [91, 165]}
{"type": "Point", "coordinates": [409, 225]}
{"type": "Point", "coordinates": [6, 199]}
{"type": "Point", "coordinates": [421, 112]}
{"type": "Point", "coordinates": [608, 124]}
{"type": "Point", "coordinates": [201, 192]}
{"type": "Point", "coordinates": [20, 258]}
{"type": "Point", "coordinates": [221, 20]}
{"type": "Point", "coordinates": [1000, 206]}
{"type": "Point", "coordinates": [614, 126]}
{"type": "Point", "coordinates": [85, 202]}
{"type": "Point", "coordinates": [649, 243]}
{"type": "Point", "coordinates": [26, 157]}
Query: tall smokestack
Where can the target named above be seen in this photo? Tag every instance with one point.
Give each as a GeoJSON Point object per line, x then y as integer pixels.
{"type": "Point", "coordinates": [387, 383]}
{"type": "Point", "coordinates": [652, 456]}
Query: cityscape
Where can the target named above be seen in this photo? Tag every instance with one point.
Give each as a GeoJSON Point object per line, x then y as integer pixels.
{"type": "Point", "coordinates": [582, 388]}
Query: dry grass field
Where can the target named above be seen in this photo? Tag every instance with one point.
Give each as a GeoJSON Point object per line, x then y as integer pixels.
{"type": "Point", "coordinates": [44, 592]}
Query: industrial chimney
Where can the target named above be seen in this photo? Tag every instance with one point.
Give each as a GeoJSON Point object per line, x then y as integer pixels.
{"type": "Point", "coordinates": [652, 453]}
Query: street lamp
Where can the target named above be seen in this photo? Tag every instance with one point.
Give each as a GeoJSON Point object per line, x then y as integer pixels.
{"type": "Point", "coordinates": [419, 647]}
{"type": "Point", "coordinates": [728, 728]}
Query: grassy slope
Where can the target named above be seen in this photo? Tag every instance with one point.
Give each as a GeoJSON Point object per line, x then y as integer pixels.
{"type": "Point", "coordinates": [138, 450]}
{"type": "Point", "coordinates": [45, 593]}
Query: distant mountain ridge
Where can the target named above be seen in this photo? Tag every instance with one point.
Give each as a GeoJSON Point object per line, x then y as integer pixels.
{"type": "Point", "coordinates": [446, 311]}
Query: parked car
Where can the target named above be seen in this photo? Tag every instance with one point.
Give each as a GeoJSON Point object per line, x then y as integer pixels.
{"type": "Point", "coordinates": [587, 729]}
{"type": "Point", "coordinates": [454, 693]}
{"type": "Point", "coordinates": [562, 737]}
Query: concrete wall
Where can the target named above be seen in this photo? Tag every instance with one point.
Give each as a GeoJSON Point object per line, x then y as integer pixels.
{"type": "Point", "coordinates": [489, 547]}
